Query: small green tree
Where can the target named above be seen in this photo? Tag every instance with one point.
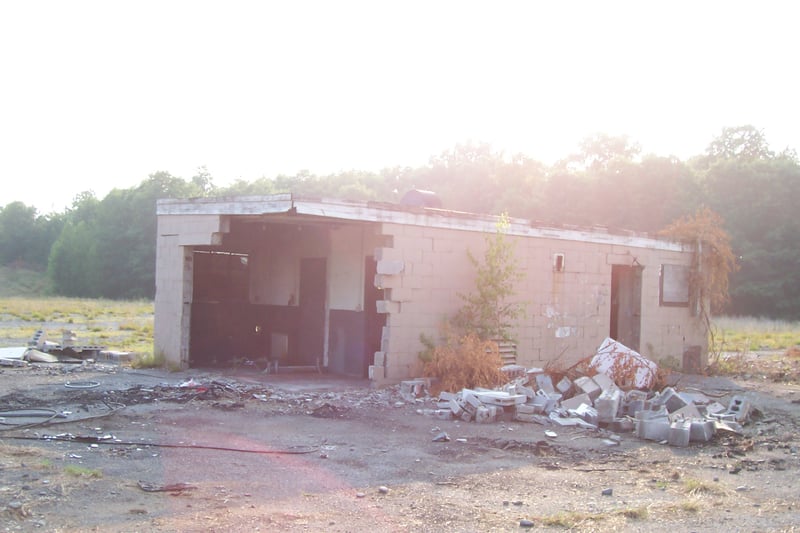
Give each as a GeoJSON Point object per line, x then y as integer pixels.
{"type": "Point", "coordinates": [468, 355]}
{"type": "Point", "coordinates": [490, 311]}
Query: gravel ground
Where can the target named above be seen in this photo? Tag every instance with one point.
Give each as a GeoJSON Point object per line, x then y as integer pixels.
{"type": "Point", "coordinates": [244, 451]}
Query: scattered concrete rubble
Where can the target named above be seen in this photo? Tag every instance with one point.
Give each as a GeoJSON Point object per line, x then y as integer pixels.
{"type": "Point", "coordinates": [617, 396]}
{"type": "Point", "coordinates": [41, 350]}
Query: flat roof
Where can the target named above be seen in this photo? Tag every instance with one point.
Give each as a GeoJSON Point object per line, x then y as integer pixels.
{"type": "Point", "coordinates": [286, 203]}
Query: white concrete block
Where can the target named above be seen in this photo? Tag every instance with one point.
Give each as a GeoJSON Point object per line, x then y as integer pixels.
{"type": "Point", "coordinates": [701, 430]}
{"type": "Point", "coordinates": [390, 267]}
{"type": "Point", "coordinates": [679, 433]}
{"type": "Point", "coordinates": [604, 382]}
{"type": "Point", "coordinates": [575, 401]}
{"type": "Point", "coordinates": [587, 385]}
{"type": "Point", "coordinates": [607, 405]}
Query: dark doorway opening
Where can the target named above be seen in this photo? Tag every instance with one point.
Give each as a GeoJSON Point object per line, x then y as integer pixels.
{"type": "Point", "coordinates": [626, 305]}
{"type": "Point", "coordinates": [355, 335]}
{"type": "Point", "coordinates": [311, 328]}
{"type": "Point", "coordinates": [221, 326]}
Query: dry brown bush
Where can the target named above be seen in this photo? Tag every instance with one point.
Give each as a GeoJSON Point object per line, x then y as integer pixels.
{"type": "Point", "coordinates": [465, 362]}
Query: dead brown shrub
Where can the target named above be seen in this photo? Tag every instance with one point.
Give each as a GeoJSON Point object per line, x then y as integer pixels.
{"type": "Point", "coordinates": [465, 363]}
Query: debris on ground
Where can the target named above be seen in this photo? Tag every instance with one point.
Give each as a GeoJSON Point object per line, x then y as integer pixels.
{"type": "Point", "coordinates": [172, 487]}
{"type": "Point", "coordinates": [41, 350]}
{"type": "Point", "coordinates": [616, 393]}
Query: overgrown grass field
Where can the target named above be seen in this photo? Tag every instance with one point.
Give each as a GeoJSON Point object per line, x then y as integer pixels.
{"type": "Point", "coordinates": [748, 334]}
{"type": "Point", "coordinates": [117, 325]}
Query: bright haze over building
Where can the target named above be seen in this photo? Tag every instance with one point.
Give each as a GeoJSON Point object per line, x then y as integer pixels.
{"type": "Point", "coordinates": [98, 95]}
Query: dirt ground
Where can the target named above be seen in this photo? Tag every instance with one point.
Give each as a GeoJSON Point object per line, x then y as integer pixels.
{"type": "Point", "coordinates": [245, 451]}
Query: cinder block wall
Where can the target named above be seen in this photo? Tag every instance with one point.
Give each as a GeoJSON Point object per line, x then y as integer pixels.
{"type": "Point", "coordinates": [175, 238]}
{"type": "Point", "coordinates": [568, 313]}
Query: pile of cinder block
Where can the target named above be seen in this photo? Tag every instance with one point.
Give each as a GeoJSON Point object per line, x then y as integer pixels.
{"type": "Point", "coordinates": [680, 418]}
{"type": "Point", "coordinates": [668, 416]}
{"type": "Point", "coordinates": [479, 405]}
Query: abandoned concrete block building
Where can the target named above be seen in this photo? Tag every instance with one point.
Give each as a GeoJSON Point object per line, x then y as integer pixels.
{"type": "Point", "coordinates": [349, 287]}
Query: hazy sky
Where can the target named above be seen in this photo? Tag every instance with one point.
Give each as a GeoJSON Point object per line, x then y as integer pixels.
{"type": "Point", "coordinates": [97, 95]}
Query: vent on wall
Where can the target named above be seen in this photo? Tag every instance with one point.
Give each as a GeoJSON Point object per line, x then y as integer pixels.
{"type": "Point", "coordinates": [558, 262]}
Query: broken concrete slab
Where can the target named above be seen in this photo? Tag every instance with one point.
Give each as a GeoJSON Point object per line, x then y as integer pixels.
{"type": "Point", "coordinates": [500, 398]}
{"type": "Point", "coordinates": [36, 356]}
{"type": "Point", "coordinates": [13, 353]}
{"type": "Point", "coordinates": [628, 368]}
{"type": "Point", "coordinates": [13, 362]}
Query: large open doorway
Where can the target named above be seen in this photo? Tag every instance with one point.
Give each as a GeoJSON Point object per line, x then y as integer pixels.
{"type": "Point", "coordinates": [289, 295]}
{"type": "Point", "coordinates": [626, 305]}
{"type": "Point", "coordinates": [222, 325]}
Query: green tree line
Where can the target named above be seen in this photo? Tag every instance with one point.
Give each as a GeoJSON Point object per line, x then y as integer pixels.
{"type": "Point", "coordinates": [106, 247]}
